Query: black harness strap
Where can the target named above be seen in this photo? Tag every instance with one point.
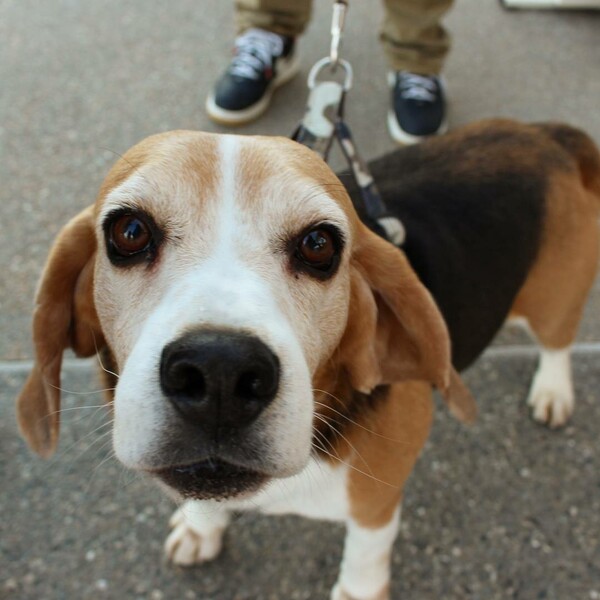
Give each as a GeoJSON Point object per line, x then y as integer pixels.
{"type": "Point", "coordinates": [373, 204]}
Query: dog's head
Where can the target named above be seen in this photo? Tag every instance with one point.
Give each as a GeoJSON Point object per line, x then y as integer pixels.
{"type": "Point", "coordinates": [223, 273]}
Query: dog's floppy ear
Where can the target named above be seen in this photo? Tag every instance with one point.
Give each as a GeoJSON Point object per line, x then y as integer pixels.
{"type": "Point", "coordinates": [395, 331]}
{"type": "Point", "coordinates": [64, 317]}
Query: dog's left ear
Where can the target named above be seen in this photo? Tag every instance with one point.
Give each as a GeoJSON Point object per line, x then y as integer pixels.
{"type": "Point", "coordinates": [64, 317]}
{"type": "Point", "coordinates": [395, 331]}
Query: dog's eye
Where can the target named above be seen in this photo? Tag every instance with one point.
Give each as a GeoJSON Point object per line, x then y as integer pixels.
{"type": "Point", "coordinates": [130, 237]}
{"type": "Point", "coordinates": [317, 251]}
{"type": "Point", "coordinates": [316, 248]}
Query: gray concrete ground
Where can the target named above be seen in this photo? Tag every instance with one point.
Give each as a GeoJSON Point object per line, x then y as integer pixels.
{"type": "Point", "coordinates": [505, 510]}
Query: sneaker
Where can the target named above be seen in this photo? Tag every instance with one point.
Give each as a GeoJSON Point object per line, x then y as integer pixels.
{"type": "Point", "coordinates": [418, 107]}
{"type": "Point", "coordinates": [262, 62]}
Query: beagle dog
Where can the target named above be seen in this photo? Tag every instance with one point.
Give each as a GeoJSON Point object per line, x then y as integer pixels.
{"type": "Point", "coordinates": [271, 352]}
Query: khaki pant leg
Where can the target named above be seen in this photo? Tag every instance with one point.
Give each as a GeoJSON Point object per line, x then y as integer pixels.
{"type": "Point", "coordinates": [413, 38]}
{"type": "Point", "coordinates": [286, 17]}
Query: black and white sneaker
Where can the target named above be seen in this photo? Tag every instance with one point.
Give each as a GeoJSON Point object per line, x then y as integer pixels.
{"type": "Point", "coordinates": [263, 61]}
{"type": "Point", "coordinates": [418, 107]}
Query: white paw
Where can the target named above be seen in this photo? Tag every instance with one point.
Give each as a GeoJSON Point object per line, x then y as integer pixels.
{"type": "Point", "coordinates": [551, 397]}
{"type": "Point", "coordinates": [551, 406]}
{"type": "Point", "coordinates": [193, 541]}
{"type": "Point", "coordinates": [338, 593]}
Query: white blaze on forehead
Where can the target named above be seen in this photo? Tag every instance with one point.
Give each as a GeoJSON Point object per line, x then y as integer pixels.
{"type": "Point", "coordinates": [229, 150]}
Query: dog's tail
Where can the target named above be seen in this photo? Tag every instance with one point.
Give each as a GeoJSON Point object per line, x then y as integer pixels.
{"type": "Point", "coordinates": [582, 148]}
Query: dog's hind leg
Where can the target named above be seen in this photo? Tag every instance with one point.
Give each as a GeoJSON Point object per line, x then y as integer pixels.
{"type": "Point", "coordinates": [554, 294]}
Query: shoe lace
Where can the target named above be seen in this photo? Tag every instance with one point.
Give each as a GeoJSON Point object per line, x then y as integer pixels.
{"type": "Point", "coordinates": [254, 52]}
{"type": "Point", "coordinates": [418, 87]}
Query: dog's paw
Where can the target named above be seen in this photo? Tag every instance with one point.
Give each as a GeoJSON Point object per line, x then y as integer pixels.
{"type": "Point", "coordinates": [194, 537]}
{"type": "Point", "coordinates": [551, 397]}
{"type": "Point", "coordinates": [338, 593]}
{"type": "Point", "coordinates": [551, 405]}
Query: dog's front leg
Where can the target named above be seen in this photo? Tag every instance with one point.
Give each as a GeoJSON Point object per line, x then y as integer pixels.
{"type": "Point", "coordinates": [384, 451]}
{"type": "Point", "coordinates": [365, 569]}
{"type": "Point", "coordinates": [197, 528]}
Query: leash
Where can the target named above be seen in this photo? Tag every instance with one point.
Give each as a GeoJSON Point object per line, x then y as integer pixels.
{"type": "Point", "coordinates": [323, 124]}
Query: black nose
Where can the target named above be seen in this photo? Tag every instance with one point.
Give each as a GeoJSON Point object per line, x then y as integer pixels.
{"type": "Point", "coordinates": [219, 379]}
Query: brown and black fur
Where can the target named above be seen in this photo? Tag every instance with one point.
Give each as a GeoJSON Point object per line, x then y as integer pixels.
{"type": "Point", "coordinates": [478, 206]}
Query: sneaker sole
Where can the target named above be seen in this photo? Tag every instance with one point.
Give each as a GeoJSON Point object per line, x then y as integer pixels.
{"type": "Point", "coordinates": [288, 71]}
{"type": "Point", "coordinates": [403, 137]}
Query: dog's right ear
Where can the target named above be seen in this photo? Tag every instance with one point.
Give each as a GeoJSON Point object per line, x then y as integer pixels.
{"type": "Point", "coordinates": [64, 317]}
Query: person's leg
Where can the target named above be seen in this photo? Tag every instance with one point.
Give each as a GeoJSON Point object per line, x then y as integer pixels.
{"type": "Point", "coordinates": [412, 35]}
{"type": "Point", "coordinates": [285, 17]}
{"type": "Point", "coordinates": [264, 59]}
{"type": "Point", "coordinates": [416, 45]}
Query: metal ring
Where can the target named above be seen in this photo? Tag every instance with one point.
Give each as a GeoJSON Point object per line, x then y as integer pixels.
{"type": "Point", "coordinates": [327, 62]}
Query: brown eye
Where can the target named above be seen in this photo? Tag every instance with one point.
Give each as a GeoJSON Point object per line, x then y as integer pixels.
{"type": "Point", "coordinates": [131, 237]}
{"type": "Point", "coordinates": [129, 234]}
{"type": "Point", "coordinates": [317, 251]}
{"type": "Point", "coordinates": [316, 248]}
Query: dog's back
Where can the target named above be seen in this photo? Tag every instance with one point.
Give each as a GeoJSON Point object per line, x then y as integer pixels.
{"type": "Point", "coordinates": [475, 206]}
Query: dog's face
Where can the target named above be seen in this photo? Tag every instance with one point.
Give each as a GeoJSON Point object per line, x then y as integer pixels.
{"type": "Point", "coordinates": [224, 273]}
{"type": "Point", "coordinates": [236, 260]}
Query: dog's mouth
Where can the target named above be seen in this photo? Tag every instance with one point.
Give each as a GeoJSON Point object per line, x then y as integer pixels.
{"type": "Point", "coordinates": [212, 478]}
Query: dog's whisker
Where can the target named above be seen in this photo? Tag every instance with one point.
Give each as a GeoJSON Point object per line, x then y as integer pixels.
{"type": "Point", "coordinates": [123, 158]}
{"type": "Point", "coordinates": [96, 444]}
{"type": "Point", "coordinates": [319, 187]}
{"type": "Point", "coordinates": [102, 436]}
{"type": "Point", "coordinates": [134, 476]}
{"type": "Point", "coordinates": [82, 416]}
{"type": "Point", "coordinates": [87, 435]}
{"type": "Point", "coordinates": [115, 375]}
{"type": "Point", "coordinates": [340, 434]}
{"type": "Point", "coordinates": [77, 393]}
{"type": "Point", "coordinates": [110, 455]}
{"type": "Point", "coordinates": [71, 408]}
{"type": "Point", "coordinates": [385, 437]}
{"type": "Point", "coordinates": [360, 471]}
{"type": "Point", "coordinates": [323, 439]}
{"type": "Point", "coordinates": [332, 396]}
{"type": "Point", "coordinates": [99, 357]}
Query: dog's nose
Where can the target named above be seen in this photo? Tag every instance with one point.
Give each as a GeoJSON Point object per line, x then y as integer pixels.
{"type": "Point", "coordinates": [219, 379]}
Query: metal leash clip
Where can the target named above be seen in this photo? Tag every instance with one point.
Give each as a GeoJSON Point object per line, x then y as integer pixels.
{"type": "Point", "coordinates": [324, 107]}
